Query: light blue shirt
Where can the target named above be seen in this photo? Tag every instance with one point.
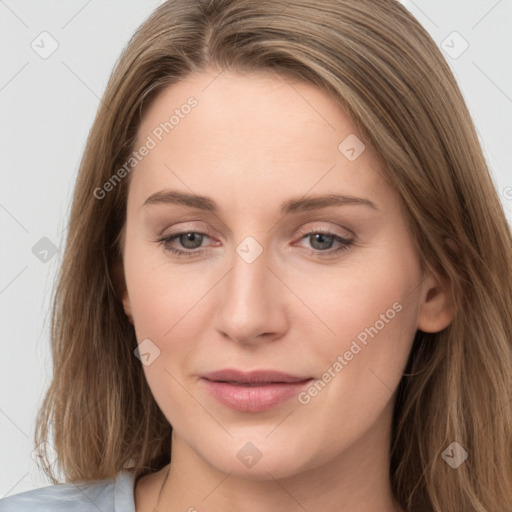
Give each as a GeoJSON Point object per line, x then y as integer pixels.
{"type": "Point", "coordinates": [113, 495]}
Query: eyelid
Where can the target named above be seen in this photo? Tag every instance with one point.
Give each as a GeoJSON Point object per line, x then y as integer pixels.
{"type": "Point", "coordinates": [184, 227]}
{"type": "Point", "coordinates": [349, 235]}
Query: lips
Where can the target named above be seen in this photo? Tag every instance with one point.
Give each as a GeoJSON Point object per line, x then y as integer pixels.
{"type": "Point", "coordinates": [253, 391]}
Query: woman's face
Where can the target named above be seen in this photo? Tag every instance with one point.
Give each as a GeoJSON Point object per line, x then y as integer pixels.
{"type": "Point", "coordinates": [297, 261]}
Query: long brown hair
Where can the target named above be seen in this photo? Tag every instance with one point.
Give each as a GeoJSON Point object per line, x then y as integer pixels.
{"type": "Point", "coordinates": [386, 72]}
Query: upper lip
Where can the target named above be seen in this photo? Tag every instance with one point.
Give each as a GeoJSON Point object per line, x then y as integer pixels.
{"type": "Point", "coordinates": [252, 377]}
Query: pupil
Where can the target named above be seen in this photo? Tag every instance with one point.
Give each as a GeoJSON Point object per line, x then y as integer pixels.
{"type": "Point", "coordinates": [320, 237]}
{"type": "Point", "coordinates": [191, 237]}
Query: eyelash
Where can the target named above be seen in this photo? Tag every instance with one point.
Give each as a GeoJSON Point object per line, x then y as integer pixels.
{"type": "Point", "coordinates": [165, 241]}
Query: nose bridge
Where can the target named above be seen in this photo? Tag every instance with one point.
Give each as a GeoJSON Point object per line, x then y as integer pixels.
{"type": "Point", "coordinates": [249, 305]}
{"type": "Point", "coordinates": [249, 275]}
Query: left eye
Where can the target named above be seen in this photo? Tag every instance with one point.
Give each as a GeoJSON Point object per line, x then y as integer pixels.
{"type": "Point", "coordinates": [324, 241]}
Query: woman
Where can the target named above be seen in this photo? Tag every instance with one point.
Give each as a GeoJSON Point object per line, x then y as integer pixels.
{"type": "Point", "coordinates": [287, 282]}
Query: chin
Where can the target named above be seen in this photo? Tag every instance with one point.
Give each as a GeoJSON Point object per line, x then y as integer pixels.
{"type": "Point", "coordinates": [255, 460]}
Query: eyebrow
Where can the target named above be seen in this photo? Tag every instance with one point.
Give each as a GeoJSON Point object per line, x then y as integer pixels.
{"type": "Point", "coordinates": [290, 206]}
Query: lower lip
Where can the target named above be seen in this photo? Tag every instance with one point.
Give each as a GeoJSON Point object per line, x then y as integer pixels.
{"type": "Point", "coordinates": [254, 398]}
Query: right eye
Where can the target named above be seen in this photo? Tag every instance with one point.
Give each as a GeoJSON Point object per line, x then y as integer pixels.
{"type": "Point", "coordinates": [190, 240]}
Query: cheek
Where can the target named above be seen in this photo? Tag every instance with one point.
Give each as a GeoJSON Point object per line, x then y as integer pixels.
{"type": "Point", "coordinates": [372, 309]}
{"type": "Point", "coordinates": [160, 292]}
{"type": "Point", "coordinates": [375, 296]}
{"type": "Point", "coordinates": [166, 309]}
{"type": "Point", "coordinates": [169, 305]}
{"type": "Point", "coordinates": [369, 311]}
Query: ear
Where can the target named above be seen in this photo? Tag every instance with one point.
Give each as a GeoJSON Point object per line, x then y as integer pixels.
{"type": "Point", "coordinates": [121, 289]}
{"type": "Point", "coordinates": [436, 308]}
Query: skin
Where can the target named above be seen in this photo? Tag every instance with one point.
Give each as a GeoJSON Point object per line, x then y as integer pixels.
{"type": "Point", "coordinates": [253, 142]}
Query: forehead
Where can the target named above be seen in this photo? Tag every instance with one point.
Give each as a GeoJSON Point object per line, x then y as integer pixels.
{"type": "Point", "coordinates": [251, 133]}
{"type": "Point", "coordinates": [249, 104]}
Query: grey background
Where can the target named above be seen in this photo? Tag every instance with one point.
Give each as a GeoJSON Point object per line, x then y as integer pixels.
{"type": "Point", "coordinates": [47, 107]}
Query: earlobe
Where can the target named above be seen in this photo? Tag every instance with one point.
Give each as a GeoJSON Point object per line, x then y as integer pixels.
{"type": "Point", "coordinates": [127, 306]}
{"type": "Point", "coordinates": [121, 289]}
{"type": "Point", "coordinates": [437, 307]}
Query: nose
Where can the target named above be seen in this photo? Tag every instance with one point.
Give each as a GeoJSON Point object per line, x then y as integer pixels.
{"type": "Point", "coordinates": [251, 301]}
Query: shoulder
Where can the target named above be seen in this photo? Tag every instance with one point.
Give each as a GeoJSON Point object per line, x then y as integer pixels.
{"type": "Point", "coordinates": [112, 495]}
